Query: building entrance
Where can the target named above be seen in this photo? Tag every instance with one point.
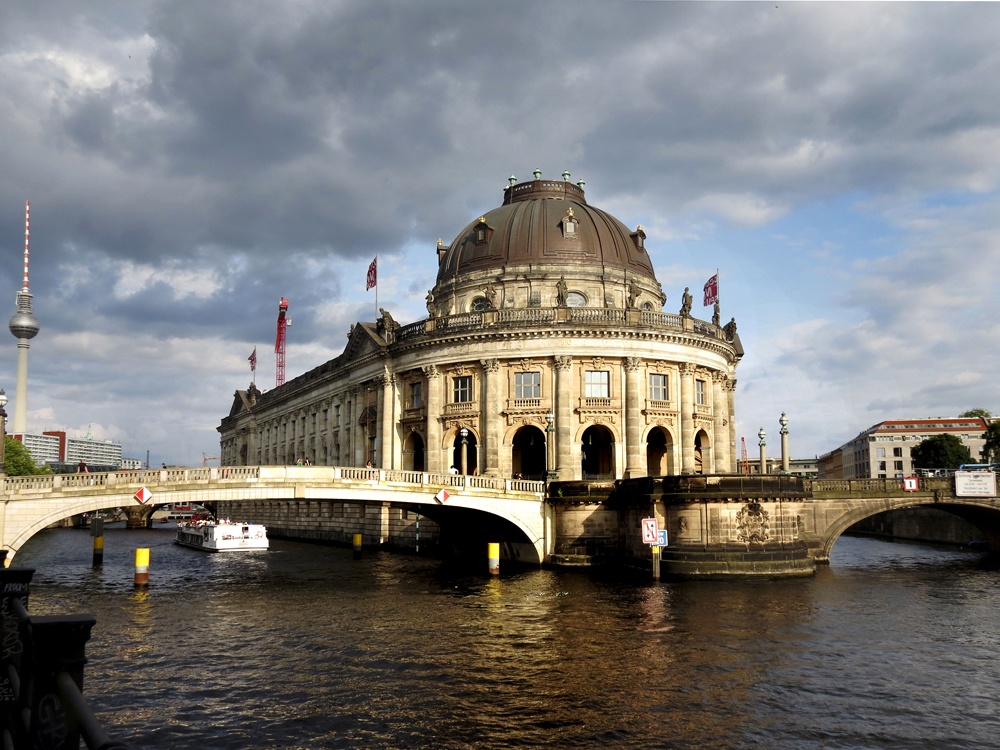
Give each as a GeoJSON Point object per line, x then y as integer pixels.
{"type": "Point", "coordinates": [597, 452]}
{"type": "Point", "coordinates": [659, 453]}
{"type": "Point", "coordinates": [470, 452]}
{"type": "Point", "coordinates": [528, 453]}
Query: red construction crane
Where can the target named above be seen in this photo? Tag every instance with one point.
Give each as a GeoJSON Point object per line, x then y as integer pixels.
{"type": "Point", "coordinates": [744, 461]}
{"type": "Point", "coordinates": [279, 342]}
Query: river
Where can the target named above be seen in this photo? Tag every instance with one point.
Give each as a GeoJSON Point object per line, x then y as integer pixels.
{"type": "Point", "coordinates": [891, 646]}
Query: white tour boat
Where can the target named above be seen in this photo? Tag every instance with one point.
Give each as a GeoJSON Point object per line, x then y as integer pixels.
{"type": "Point", "coordinates": [222, 536]}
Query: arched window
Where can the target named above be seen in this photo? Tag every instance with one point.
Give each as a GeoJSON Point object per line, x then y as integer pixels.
{"type": "Point", "coordinates": [576, 299]}
{"type": "Point", "coordinates": [479, 304]}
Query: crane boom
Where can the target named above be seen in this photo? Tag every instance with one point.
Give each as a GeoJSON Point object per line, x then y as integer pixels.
{"type": "Point", "coordinates": [279, 343]}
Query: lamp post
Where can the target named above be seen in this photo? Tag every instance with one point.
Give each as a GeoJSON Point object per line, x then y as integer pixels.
{"type": "Point", "coordinates": [784, 443]}
{"type": "Point", "coordinates": [763, 450]}
{"type": "Point", "coordinates": [550, 447]}
{"type": "Point", "coordinates": [3, 432]}
{"type": "Point", "coordinates": [464, 432]}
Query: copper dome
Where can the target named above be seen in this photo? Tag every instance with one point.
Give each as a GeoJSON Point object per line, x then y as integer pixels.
{"type": "Point", "coordinates": [533, 227]}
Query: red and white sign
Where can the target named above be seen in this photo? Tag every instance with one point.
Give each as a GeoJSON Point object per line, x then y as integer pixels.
{"type": "Point", "coordinates": [142, 495]}
{"type": "Point", "coordinates": [372, 279]}
{"type": "Point", "coordinates": [649, 531]}
{"type": "Point", "coordinates": [442, 496]}
{"type": "Point", "coordinates": [911, 484]}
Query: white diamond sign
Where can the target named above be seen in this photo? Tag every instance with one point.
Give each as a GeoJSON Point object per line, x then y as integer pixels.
{"type": "Point", "coordinates": [142, 495]}
{"type": "Point", "coordinates": [442, 496]}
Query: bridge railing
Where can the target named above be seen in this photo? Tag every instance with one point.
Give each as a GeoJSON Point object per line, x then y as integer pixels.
{"type": "Point", "coordinates": [873, 485]}
{"type": "Point", "coordinates": [41, 680]}
{"type": "Point", "coordinates": [32, 485]}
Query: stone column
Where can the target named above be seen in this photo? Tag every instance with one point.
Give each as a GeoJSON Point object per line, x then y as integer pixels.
{"type": "Point", "coordinates": [433, 448]}
{"type": "Point", "coordinates": [492, 432]}
{"type": "Point", "coordinates": [387, 415]}
{"type": "Point", "coordinates": [347, 431]}
{"type": "Point", "coordinates": [687, 418]}
{"type": "Point", "coordinates": [564, 418]}
{"type": "Point", "coordinates": [731, 395]}
{"type": "Point", "coordinates": [380, 421]}
{"type": "Point", "coordinates": [633, 424]}
{"type": "Point", "coordinates": [720, 410]}
{"type": "Point", "coordinates": [360, 441]}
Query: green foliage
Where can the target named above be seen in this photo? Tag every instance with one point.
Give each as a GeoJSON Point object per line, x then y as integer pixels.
{"type": "Point", "coordinates": [977, 412]}
{"type": "Point", "coordinates": [991, 449]}
{"type": "Point", "coordinates": [18, 461]}
{"type": "Point", "coordinates": [940, 452]}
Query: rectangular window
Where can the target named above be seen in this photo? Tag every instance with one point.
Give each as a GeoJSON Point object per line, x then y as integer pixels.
{"type": "Point", "coordinates": [463, 389]}
{"type": "Point", "coordinates": [336, 415]}
{"type": "Point", "coordinates": [658, 387]}
{"type": "Point", "coordinates": [527, 385]}
{"type": "Point", "coordinates": [898, 465]}
{"type": "Point", "coordinates": [880, 452]}
{"type": "Point", "coordinates": [699, 392]}
{"type": "Point", "coordinates": [597, 384]}
{"type": "Point", "coordinates": [897, 452]}
{"type": "Point", "coordinates": [881, 465]}
{"type": "Point", "coordinates": [416, 395]}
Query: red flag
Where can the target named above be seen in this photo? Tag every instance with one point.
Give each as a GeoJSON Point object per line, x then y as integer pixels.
{"type": "Point", "coordinates": [253, 360]}
{"type": "Point", "coordinates": [372, 274]}
{"type": "Point", "coordinates": [712, 290]}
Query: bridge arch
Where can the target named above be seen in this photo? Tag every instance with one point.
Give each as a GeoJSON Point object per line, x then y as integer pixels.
{"type": "Point", "coordinates": [979, 512]}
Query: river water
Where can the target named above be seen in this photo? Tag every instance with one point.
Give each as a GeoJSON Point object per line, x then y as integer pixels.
{"type": "Point", "coordinates": [891, 646]}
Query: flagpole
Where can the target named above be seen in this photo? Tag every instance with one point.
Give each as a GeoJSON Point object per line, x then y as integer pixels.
{"type": "Point", "coordinates": [376, 286]}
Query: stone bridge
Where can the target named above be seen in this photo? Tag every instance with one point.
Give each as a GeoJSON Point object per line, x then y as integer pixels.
{"type": "Point", "coordinates": [510, 511]}
{"type": "Point", "coordinates": [774, 525]}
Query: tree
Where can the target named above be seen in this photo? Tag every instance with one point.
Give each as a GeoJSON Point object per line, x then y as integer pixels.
{"type": "Point", "coordinates": [991, 448]}
{"type": "Point", "coordinates": [977, 412]}
{"type": "Point", "coordinates": [18, 461]}
{"type": "Point", "coordinates": [940, 452]}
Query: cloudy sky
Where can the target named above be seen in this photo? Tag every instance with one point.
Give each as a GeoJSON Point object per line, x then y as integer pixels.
{"type": "Point", "coordinates": [188, 163]}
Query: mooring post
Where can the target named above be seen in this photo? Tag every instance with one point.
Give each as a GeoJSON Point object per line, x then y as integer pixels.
{"type": "Point", "coordinates": [357, 546]}
{"type": "Point", "coordinates": [418, 532]}
{"type": "Point", "coordinates": [97, 531]}
{"type": "Point", "coordinates": [656, 562]}
{"type": "Point", "coordinates": [494, 558]}
{"type": "Point", "coordinates": [142, 567]}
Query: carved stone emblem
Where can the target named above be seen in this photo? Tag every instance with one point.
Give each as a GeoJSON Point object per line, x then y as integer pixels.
{"type": "Point", "coordinates": [753, 523]}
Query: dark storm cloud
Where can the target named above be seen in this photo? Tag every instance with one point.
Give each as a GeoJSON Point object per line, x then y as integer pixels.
{"type": "Point", "coordinates": [190, 162]}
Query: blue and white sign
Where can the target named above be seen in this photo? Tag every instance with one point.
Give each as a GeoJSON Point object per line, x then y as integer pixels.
{"type": "Point", "coordinates": [661, 539]}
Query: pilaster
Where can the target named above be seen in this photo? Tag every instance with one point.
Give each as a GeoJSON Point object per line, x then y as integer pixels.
{"type": "Point", "coordinates": [720, 410]}
{"type": "Point", "coordinates": [433, 453]}
{"type": "Point", "coordinates": [491, 417]}
{"type": "Point", "coordinates": [564, 417]}
{"type": "Point", "coordinates": [687, 417]}
{"type": "Point", "coordinates": [633, 425]}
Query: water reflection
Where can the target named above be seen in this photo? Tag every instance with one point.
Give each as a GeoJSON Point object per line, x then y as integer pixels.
{"type": "Point", "coordinates": [891, 646]}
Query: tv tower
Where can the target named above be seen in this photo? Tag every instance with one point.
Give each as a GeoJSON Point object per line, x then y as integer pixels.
{"type": "Point", "coordinates": [24, 326]}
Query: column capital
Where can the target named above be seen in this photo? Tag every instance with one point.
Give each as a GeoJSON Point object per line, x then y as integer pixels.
{"type": "Point", "coordinates": [631, 364]}
{"type": "Point", "coordinates": [564, 362]}
{"type": "Point", "coordinates": [731, 384]}
{"type": "Point", "coordinates": [431, 371]}
{"type": "Point", "coordinates": [719, 376]}
{"type": "Point", "coordinates": [687, 368]}
{"type": "Point", "coordinates": [490, 365]}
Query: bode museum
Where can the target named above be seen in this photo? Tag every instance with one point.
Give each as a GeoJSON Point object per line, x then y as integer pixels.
{"type": "Point", "coordinates": [546, 353]}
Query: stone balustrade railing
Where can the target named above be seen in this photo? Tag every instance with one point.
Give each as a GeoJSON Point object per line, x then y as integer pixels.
{"type": "Point", "coordinates": [45, 484]}
{"type": "Point", "coordinates": [537, 315]}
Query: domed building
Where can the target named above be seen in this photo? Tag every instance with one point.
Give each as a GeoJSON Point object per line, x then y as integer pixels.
{"type": "Point", "coordinates": [546, 352]}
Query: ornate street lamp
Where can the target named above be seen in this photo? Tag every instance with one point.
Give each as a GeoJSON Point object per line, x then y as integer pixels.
{"type": "Point", "coordinates": [763, 450]}
{"type": "Point", "coordinates": [550, 447]}
{"type": "Point", "coordinates": [785, 459]}
{"type": "Point", "coordinates": [3, 432]}
{"type": "Point", "coordinates": [464, 432]}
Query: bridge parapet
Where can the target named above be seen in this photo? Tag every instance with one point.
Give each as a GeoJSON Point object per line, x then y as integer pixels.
{"type": "Point", "coordinates": [831, 488]}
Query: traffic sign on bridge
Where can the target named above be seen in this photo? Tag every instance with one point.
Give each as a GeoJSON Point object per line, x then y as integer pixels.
{"type": "Point", "coordinates": [142, 495]}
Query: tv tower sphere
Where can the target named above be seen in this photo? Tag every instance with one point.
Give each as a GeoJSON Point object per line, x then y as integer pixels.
{"type": "Point", "coordinates": [23, 324]}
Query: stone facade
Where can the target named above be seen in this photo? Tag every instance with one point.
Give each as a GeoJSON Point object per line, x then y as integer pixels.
{"type": "Point", "coordinates": [546, 315]}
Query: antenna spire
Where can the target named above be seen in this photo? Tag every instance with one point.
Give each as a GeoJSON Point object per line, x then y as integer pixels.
{"type": "Point", "coordinates": [27, 233]}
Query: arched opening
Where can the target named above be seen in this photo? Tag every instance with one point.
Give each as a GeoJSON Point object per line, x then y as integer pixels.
{"type": "Point", "coordinates": [597, 453]}
{"type": "Point", "coordinates": [413, 453]}
{"type": "Point", "coordinates": [470, 453]}
{"type": "Point", "coordinates": [659, 453]}
{"type": "Point", "coordinates": [528, 453]}
{"type": "Point", "coordinates": [243, 454]}
{"type": "Point", "coordinates": [699, 464]}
